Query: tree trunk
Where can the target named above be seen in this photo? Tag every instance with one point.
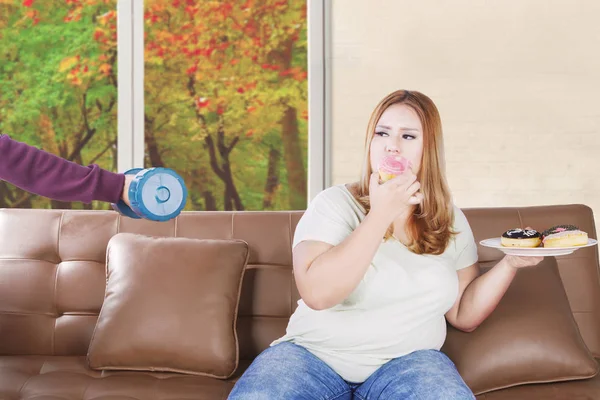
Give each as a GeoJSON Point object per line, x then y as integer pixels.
{"type": "Point", "coordinates": [292, 151]}
{"type": "Point", "coordinates": [209, 201]}
{"type": "Point", "coordinates": [292, 148]}
{"type": "Point", "coordinates": [272, 182]}
{"type": "Point", "coordinates": [151, 145]}
{"type": "Point", "coordinates": [232, 198]}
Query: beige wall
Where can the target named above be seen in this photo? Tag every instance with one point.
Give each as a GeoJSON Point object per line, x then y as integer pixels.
{"type": "Point", "coordinates": [517, 84]}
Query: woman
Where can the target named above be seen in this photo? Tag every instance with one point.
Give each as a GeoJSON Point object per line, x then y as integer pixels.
{"type": "Point", "coordinates": [373, 312]}
{"type": "Point", "coordinates": [45, 174]}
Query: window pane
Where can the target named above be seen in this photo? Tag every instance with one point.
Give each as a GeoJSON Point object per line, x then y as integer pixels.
{"type": "Point", "coordinates": [58, 84]}
{"type": "Point", "coordinates": [226, 100]}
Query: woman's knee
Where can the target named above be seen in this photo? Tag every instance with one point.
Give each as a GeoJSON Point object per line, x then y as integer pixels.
{"type": "Point", "coordinates": [423, 374]}
{"type": "Point", "coordinates": [286, 370]}
{"type": "Point", "coordinates": [438, 376]}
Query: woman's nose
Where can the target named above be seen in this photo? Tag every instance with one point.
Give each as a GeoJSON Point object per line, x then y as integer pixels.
{"type": "Point", "coordinates": [392, 147]}
{"type": "Point", "coordinates": [393, 144]}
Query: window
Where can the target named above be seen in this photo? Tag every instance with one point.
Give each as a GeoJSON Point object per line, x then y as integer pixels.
{"type": "Point", "coordinates": [217, 90]}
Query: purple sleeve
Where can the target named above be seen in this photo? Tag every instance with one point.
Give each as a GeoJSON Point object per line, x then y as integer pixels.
{"type": "Point", "coordinates": [48, 175]}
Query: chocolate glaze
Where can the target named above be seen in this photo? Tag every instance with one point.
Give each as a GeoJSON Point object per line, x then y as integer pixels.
{"type": "Point", "coordinates": [521, 234]}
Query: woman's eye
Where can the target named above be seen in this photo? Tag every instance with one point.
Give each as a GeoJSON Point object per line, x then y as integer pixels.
{"type": "Point", "coordinates": [407, 136]}
{"type": "Point", "coordinates": [381, 134]}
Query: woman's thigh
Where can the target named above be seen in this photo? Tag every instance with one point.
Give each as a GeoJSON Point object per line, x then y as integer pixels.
{"type": "Point", "coordinates": [423, 375]}
{"type": "Point", "coordinates": [289, 372]}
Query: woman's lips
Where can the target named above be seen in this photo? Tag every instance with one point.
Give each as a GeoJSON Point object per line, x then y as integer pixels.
{"type": "Point", "coordinates": [392, 166]}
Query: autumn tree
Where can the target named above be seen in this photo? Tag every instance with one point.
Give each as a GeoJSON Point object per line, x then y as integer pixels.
{"type": "Point", "coordinates": [241, 69]}
{"type": "Point", "coordinates": [58, 88]}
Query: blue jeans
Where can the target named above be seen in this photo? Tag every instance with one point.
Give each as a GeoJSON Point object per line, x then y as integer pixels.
{"type": "Point", "coordinates": [289, 372]}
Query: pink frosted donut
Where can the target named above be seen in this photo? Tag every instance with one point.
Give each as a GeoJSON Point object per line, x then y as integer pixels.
{"type": "Point", "coordinates": [392, 166]}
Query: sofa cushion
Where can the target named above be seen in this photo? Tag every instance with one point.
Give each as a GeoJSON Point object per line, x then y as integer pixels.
{"type": "Point", "coordinates": [170, 305]}
{"type": "Point", "coordinates": [586, 389]}
{"type": "Point", "coordinates": [37, 377]}
{"type": "Point", "coordinates": [531, 337]}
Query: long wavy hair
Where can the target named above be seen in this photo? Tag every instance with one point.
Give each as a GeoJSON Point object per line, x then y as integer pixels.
{"type": "Point", "coordinates": [429, 226]}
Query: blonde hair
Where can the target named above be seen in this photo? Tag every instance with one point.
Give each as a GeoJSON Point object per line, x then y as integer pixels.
{"type": "Point", "coordinates": [430, 223]}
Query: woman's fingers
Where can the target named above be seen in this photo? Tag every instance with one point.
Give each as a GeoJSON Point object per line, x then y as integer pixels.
{"type": "Point", "coordinates": [414, 187]}
{"type": "Point", "coordinates": [416, 199]}
{"type": "Point", "coordinates": [405, 179]}
{"type": "Point", "coordinates": [374, 181]}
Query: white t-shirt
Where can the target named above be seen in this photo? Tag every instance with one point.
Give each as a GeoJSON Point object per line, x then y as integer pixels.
{"type": "Point", "coordinates": [396, 309]}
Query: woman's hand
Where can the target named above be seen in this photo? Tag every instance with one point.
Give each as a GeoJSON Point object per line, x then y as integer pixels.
{"type": "Point", "coordinates": [395, 197]}
{"type": "Point", "coordinates": [522, 261]}
{"type": "Point", "coordinates": [125, 196]}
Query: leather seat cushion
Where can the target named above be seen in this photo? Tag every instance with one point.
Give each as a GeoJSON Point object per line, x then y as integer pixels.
{"type": "Point", "coordinates": [36, 377]}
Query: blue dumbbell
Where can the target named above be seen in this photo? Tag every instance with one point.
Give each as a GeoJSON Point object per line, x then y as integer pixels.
{"type": "Point", "coordinates": [157, 194]}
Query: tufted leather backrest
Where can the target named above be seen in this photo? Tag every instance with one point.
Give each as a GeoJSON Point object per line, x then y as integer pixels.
{"type": "Point", "coordinates": [52, 270]}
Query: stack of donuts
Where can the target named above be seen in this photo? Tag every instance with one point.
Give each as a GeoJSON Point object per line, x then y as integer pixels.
{"type": "Point", "coordinates": [557, 236]}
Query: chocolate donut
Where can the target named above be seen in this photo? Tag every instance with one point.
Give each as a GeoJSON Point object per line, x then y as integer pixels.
{"type": "Point", "coordinates": [521, 238]}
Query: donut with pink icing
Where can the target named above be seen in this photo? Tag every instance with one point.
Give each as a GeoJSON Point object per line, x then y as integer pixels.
{"type": "Point", "coordinates": [564, 236]}
{"type": "Point", "coordinates": [392, 166]}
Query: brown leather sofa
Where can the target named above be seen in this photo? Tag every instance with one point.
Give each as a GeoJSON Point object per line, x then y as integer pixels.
{"type": "Point", "coordinates": [52, 281]}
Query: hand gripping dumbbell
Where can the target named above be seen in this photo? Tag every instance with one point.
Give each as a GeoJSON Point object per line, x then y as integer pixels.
{"type": "Point", "coordinates": [157, 194]}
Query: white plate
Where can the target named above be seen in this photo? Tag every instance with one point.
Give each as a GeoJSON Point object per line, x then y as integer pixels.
{"type": "Point", "coordinates": [534, 251]}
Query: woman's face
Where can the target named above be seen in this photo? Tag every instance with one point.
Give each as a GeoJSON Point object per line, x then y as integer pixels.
{"type": "Point", "coordinates": [398, 132]}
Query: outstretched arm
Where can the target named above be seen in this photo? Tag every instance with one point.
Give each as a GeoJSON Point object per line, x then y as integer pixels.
{"type": "Point", "coordinates": [48, 175]}
{"type": "Point", "coordinates": [479, 295]}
